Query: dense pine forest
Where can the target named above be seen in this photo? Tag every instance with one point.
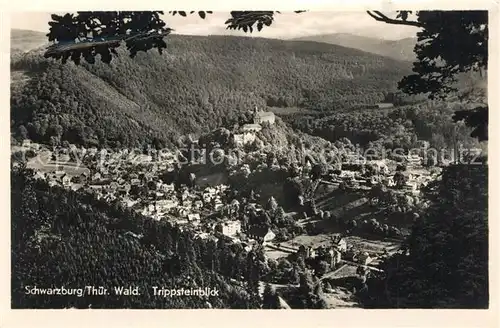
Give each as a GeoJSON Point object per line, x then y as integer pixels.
{"type": "Point", "coordinates": [61, 238]}
{"type": "Point", "coordinates": [402, 127]}
{"type": "Point", "coordinates": [194, 87]}
{"type": "Point", "coordinates": [444, 263]}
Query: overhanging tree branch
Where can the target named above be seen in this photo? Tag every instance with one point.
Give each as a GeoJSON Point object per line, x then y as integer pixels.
{"type": "Point", "coordinates": [59, 48]}
{"type": "Point", "coordinates": [378, 16]}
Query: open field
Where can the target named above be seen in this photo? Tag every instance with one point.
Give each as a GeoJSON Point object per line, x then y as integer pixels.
{"type": "Point", "coordinates": [275, 254]}
{"type": "Point", "coordinates": [373, 246]}
{"type": "Point", "coordinates": [291, 111]}
{"type": "Point", "coordinates": [68, 168]}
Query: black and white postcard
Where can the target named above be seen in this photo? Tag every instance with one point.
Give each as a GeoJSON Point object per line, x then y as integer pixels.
{"type": "Point", "coordinates": [283, 159]}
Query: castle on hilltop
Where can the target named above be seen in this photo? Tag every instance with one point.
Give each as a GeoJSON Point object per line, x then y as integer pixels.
{"type": "Point", "coordinates": [260, 116]}
{"type": "Point", "coordinates": [247, 132]}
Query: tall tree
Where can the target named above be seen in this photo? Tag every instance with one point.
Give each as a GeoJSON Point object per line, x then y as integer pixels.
{"type": "Point", "coordinates": [444, 262]}
{"type": "Point", "coordinates": [269, 298]}
{"type": "Point", "coordinates": [449, 43]}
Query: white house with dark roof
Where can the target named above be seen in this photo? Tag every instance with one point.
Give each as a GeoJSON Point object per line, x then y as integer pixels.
{"type": "Point", "coordinates": [229, 228]}
{"type": "Point", "coordinates": [251, 128]}
{"type": "Point", "coordinates": [262, 234]}
{"type": "Point", "coordinates": [261, 117]}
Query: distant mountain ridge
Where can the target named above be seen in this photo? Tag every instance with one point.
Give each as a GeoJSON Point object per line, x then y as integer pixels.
{"type": "Point", "coordinates": [396, 49]}
{"type": "Point", "coordinates": [25, 40]}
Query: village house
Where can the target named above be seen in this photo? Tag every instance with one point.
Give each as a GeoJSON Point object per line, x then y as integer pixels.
{"type": "Point", "coordinates": [389, 181]}
{"type": "Point", "coordinates": [66, 180]}
{"type": "Point", "coordinates": [39, 175]}
{"type": "Point", "coordinates": [188, 203]}
{"type": "Point", "coordinates": [247, 247]}
{"type": "Point", "coordinates": [198, 204]}
{"type": "Point", "coordinates": [241, 139]}
{"type": "Point", "coordinates": [414, 160]}
{"type": "Point", "coordinates": [363, 258]}
{"type": "Point", "coordinates": [103, 169]}
{"type": "Point", "coordinates": [185, 195]}
{"type": "Point", "coordinates": [148, 209]}
{"type": "Point", "coordinates": [261, 117]}
{"type": "Point", "coordinates": [97, 176]}
{"type": "Point", "coordinates": [339, 243]}
{"type": "Point", "coordinates": [193, 222]}
{"type": "Point", "coordinates": [182, 211]}
{"type": "Point", "coordinates": [182, 221]}
{"type": "Point", "coordinates": [218, 205]}
{"type": "Point", "coordinates": [336, 257]}
{"type": "Point", "coordinates": [354, 159]}
{"type": "Point", "coordinates": [251, 128]}
{"type": "Point", "coordinates": [307, 252]}
{"type": "Point", "coordinates": [374, 180]}
{"type": "Point", "coordinates": [92, 151]}
{"type": "Point", "coordinates": [126, 187]}
{"type": "Point", "coordinates": [221, 188]}
{"type": "Point", "coordinates": [210, 190]}
{"type": "Point", "coordinates": [157, 216]}
{"type": "Point", "coordinates": [141, 159]}
{"type": "Point", "coordinates": [26, 143]}
{"type": "Point", "coordinates": [194, 217]}
{"type": "Point", "coordinates": [202, 235]}
{"type": "Point", "coordinates": [148, 176]}
{"type": "Point", "coordinates": [165, 205]}
{"type": "Point", "coordinates": [52, 183]}
{"type": "Point", "coordinates": [165, 187]}
{"type": "Point", "coordinates": [85, 175]}
{"type": "Point", "coordinates": [128, 202]}
{"type": "Point", "coordinates": [409, 175]}
{"type": "Point", "coordinates": [261, 234]}
{"type": "Point", "coordinates": [208, 195]}
{"type": "Point", "coordinates": [411, 186]}
{"type": "Point", "coordinates": [381, 166]}
{"type": "Point", "coordinates": [229, 228]}
{"type": "Point", "coordinates": [109, 197]}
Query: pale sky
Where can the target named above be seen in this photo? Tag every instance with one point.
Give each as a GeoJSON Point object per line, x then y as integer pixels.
{"type": "Point", "coordinates": [285, 25]}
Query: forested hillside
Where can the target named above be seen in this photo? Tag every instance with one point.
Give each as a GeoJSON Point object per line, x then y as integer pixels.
{"type": "Point", "coordinates": [198, 84]}
{"type": "Point", "coordinates": [402, 127]}
{"type": "Point", "coordinates": [61, 238]}
{"type": "Point", "coordinates": [25, 40]}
